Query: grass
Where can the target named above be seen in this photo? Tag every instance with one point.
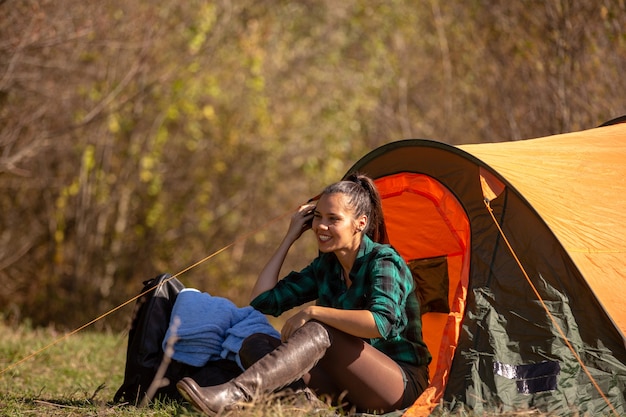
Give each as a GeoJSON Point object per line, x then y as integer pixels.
{"type": "Point", "coordinates": [79, 376]}
{"type": "Point", "coordinates": [76, 377]}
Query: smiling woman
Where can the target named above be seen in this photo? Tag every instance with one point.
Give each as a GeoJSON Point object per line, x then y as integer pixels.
{"type": "Point", "coordinates": [336, 227]}
{"type": "Point", "coordinates": [362, 338]}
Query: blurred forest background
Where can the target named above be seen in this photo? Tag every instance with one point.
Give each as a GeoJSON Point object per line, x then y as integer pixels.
{"type": "Point", "coordinates": [139, 137]}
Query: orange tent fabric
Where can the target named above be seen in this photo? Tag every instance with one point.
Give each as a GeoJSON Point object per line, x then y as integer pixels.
{"type": "Point", "coordinates": [440, 228]}
{"type": "Point", "coordinates": [577, 183]}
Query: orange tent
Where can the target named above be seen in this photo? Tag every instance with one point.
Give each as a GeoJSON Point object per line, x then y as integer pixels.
{"type": "Point", "coordinates": [525, 240]}
{"type": "Point", "coordinates": [577, 184]}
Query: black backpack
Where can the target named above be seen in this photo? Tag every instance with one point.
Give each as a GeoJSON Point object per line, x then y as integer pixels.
{"type": "Point", "coordinates": [150, 321]}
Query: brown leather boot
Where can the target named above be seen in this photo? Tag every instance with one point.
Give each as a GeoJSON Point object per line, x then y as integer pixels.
{"type": "Point", "coordinates": [284, 365]}
{"type": "Point", "coordinates": [256, 346]}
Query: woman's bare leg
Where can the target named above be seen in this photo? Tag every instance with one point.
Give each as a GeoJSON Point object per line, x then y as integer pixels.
{"type": "Point", "coordinates": [369, 379]}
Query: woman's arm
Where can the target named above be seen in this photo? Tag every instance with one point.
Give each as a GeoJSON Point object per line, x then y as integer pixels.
{"type": "Point", "coordinates": [270, 273]}
{"type": "Point", "coordinates": [359, 323]}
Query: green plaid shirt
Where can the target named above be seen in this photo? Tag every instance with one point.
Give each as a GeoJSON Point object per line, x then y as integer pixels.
{"type": "Point", "coordinates": [381, 283]}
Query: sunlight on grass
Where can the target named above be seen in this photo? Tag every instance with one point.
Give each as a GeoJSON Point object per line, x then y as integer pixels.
{"type": "Point", "coordinates": [79, 376]}
{"type": "Point", "coordinates": [78, 364]}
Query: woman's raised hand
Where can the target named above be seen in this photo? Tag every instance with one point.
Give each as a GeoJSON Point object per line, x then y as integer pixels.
{"type": "Point", "coordinates": [301, 220]}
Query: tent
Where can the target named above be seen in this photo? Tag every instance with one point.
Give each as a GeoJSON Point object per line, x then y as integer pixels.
{"type": "Point", "coordinates": [519, 252]}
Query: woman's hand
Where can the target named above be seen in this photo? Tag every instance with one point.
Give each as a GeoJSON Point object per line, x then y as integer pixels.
{"type": "Point", "coordinates": [295, 322]}
{"type": "Point", "coordinates": [359, 323]}
{"type": "Point", "coordinates": [301, 221]}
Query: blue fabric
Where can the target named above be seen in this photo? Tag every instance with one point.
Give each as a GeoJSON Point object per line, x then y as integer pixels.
{"type": "Point", "coordinates": [211, 328]}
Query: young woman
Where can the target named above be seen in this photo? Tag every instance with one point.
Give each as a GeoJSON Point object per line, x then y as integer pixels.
{"type": "Point", "coordinates": [361, 342]}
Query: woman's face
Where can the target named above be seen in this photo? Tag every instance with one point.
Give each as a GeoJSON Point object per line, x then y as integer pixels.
{"type": "Point", "coordinates": [334, 224]}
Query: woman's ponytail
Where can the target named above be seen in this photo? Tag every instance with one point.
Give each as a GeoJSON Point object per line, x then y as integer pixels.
{"type": "Point", "coordinates": [376, 228]}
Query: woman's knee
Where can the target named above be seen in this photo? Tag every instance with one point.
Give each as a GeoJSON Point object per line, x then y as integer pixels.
{"type": "Point", "coordinates": [255, 346]}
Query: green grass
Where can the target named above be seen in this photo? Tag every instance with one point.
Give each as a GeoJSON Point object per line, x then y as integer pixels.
{"type": "Point", "coordinates": [79, 375]}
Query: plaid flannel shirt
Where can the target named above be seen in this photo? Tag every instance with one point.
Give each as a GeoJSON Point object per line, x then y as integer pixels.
{"type": "Point", "coordinates": [381, 283]}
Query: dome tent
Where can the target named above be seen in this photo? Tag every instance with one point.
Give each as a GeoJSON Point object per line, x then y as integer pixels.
{"type": "Point", "coordinates": [518, 250]}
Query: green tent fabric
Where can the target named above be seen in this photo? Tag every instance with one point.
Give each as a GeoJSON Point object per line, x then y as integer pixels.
{"type": "Point", "coordinates": [533, 239]}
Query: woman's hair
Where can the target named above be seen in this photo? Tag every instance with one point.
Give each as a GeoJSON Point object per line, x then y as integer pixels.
{"type": "Point", "coordinates": [362, 196]}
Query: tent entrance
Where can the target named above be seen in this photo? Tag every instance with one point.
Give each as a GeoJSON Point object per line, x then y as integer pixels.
{"type": "Point", "coordinates": [428, 226]}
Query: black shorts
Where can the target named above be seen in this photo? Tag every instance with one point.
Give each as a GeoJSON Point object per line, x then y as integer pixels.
{"type": "Point", "coordinates": [415, 382]}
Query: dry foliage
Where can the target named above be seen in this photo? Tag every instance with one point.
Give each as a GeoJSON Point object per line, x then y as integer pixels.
{"type": "Point", "coordinates": [139, 137]}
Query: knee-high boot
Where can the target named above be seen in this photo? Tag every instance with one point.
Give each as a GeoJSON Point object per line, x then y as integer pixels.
{"type": "Point", "coordinates": [258, 345]}
{"type": "Point", "coordinates": [284, 365]}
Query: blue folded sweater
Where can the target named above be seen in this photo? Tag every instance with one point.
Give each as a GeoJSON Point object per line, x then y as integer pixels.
{"type": "Point", "coordinates": [211, 328]}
